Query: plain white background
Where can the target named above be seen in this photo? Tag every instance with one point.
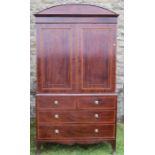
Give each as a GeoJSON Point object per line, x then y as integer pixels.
{"type": "Point", "coordinates": [139, 77]}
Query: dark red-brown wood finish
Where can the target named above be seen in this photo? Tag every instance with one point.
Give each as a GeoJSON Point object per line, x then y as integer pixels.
{"type": "Point", "coordinates": [80, 64]}
{"type": "Point", "coordinates": [76, 63]}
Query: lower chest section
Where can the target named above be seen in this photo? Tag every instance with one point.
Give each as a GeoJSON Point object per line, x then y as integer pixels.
{"type": "Point", "coordinates": [76, 117]}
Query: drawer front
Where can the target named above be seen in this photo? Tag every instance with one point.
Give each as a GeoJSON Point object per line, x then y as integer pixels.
{"type": "Point", "coordinates": [97, 102]}
{"type": "Point", "coordinates": [56, 102]}
{"type": "Point", "coordinates": [95, 116]}
{"type": "Point", "coordinates": [76, 131]}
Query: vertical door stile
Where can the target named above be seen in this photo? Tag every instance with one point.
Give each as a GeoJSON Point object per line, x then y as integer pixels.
{"type": "Point", "coordinates": [77, 67]}
{"type": "Point", "coordinates": [74, 50]}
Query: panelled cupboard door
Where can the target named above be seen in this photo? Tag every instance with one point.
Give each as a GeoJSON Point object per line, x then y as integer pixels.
{"type": "Point", "coordinates": [76, 57]}
{"type": "Point", "coordinates": [97, 57]}
{"type": "Point", "coordinates": [55, 47]}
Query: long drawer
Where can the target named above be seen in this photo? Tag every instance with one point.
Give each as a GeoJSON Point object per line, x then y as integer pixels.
{"type": "Point", "coordinates": [58, 116]}
{"type": "Point", "coordinates": [97, 102]}
{"type": "Point", "coordinates": [76, 131]}
{"type": "Point", "coordinates": [56, 102]}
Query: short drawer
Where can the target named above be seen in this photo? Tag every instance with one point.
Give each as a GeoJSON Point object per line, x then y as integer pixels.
{"type": "Point", "coordinates": [97, 102]}
{"type": "Point", "coordinates": [76, 131]}
{"type": "Point", "coordinates": [95, 116]}
{"type": "Point", "coordinates": [56, 102]}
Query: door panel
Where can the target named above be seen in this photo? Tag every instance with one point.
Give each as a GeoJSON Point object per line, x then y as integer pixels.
{"type": "Point", "coordinates": [76, 57]}
{"type": "Point", "coordinates": [55, 57]}
{"type": "Point", "coordinates": [97, 65]}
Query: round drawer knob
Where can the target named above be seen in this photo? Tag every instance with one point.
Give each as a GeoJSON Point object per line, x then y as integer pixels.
{"type": "Point", "coordinates": [56, 131]}
{"type": "Point", "coordinates": [96, 115]}
{"type": "Point", "coordinates": [56, 116]}
{"type": "Point", "coordinates": [56, 102]}
{"type": "Point", "coordinates": [96, 102]}
{"type": "Point", "coordinates": [96, 130]}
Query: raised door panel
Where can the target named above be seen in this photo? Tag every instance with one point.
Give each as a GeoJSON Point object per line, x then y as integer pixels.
{"type": "Point", "coordinates": [55, 58]}
{"type": "Point", "coordinates": [97, 57]}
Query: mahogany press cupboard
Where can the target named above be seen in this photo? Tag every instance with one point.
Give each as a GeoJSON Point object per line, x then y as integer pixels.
{"type": "Point", "coordinates": [76, 101]}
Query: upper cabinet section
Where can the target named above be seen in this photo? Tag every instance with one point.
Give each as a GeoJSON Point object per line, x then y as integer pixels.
{"type": "Point", "coordinates": [76, 49]}
{"type": "Point", "coordinates": [76, 10]}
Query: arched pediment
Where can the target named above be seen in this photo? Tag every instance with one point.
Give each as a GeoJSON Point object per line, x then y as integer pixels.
{"type": "Point", "coordinates": [76, 10]}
